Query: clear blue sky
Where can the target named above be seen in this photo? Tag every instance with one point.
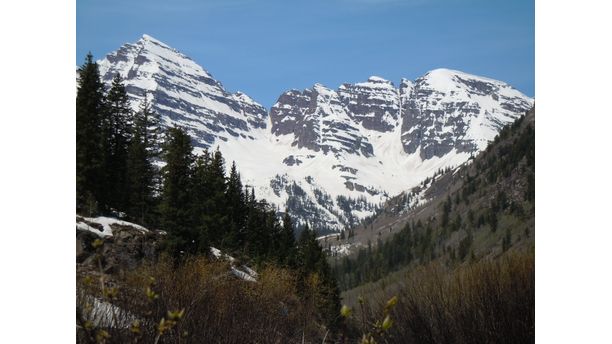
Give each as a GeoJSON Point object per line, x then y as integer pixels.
{"type": "Point", "coordinates": [266, 47]}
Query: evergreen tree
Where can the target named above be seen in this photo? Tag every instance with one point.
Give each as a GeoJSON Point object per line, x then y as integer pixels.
{"type": "Point", "coordinates": [236, 209]}
{"type": "Point", "coordinates": [446, 209]}
{"type": "Point", "coordinates": [286, 246]}
{"type": "Point", "coordinates": [89, 159]}
{"type": "Point", "coordinates": [215, 217]}
{"type": "Point", "coordinates": [142, 175]}
{"type": "Point", "coordinates": [309, 251]}
{"type": "Point", "coordinates": [316, 277]}
{"type": "Point", "coordinates": [199, 196]}
{"type": "Point", "coordinates": [272, 232]}
{"type": "Point", "coordinates": [150, 122]}
{"type": "Point", "coordinates": [252, 222]}
{"type": "Point", "coordinates": [493, 221]}
{"type": "Point", "coordinates": [261, 224]}
{"type": "Point", "coordinates": [117, 134]}
{"type": "Point", "coordinates": [175, 207]}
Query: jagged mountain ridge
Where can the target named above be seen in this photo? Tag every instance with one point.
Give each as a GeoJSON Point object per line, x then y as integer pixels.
{"type": "Point", "coordinates": [330, 156]}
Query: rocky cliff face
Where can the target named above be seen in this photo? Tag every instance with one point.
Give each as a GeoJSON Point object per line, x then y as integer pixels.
{"type": "Point", "coordinates": [374, 104]}
{"type": "Point", "coordinates": [329, 156]}
{"type": "Point", "coordinates": [440, 111]}
{"type": "Point", "coordinates": [448, 110]}
{"type": "Point", "coordinates": [123, 245]}
{"type": "Point", "coordinates": [319, 121]}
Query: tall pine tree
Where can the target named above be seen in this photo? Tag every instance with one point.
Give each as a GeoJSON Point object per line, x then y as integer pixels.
{"type": "Point", "coordinates": [199, 195]}
{"type": "Point", "coordinates": [215, 217]}
{"type": "Point", "coordinates": [286, 241]}
{"type": "Point", "coordinates": [89, 158]}
{"type": "Point", "coordinates": [316, 279]}
{"type": "Point", "coordinates": [176, 203]}
{"type": "Point", "coordinates": [117, 133]}
{"type": "Point", "coordinates": [142, 174]}
{"type": "Point", "coordinates": [236, 209]}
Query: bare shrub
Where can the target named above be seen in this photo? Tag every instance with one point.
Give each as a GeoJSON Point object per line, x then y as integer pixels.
{"type": "Point", "coordinates": [216, 306]}
{"type": "Point", "coordinates": [485, 302]}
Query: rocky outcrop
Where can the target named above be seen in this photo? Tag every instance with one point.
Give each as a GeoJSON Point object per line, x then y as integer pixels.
{"type": "Point", "coordinates": [125, 249]}
{"type": "Point", "coordinates": [373, 104]}
{"type": "Point", "coordinates": [319, 121]}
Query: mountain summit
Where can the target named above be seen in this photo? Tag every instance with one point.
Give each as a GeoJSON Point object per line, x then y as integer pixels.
{"type": "Point", "coordinates": [182, 92]}
{"type": "Point", "coordinates": [330, 156]}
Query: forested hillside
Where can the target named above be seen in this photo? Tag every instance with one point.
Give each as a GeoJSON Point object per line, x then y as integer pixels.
{"type": "Point", "coordinates": [480, 210]}
{"type": "Point", "coordinates": [461, 269]}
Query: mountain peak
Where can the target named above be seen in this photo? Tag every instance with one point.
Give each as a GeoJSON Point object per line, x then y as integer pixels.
{"type": "Point", "coordinates": [374, 82]}
{"type": "Point", "coordinates": [441, 75]}
{"type": "Point", "coordinates": [185, 94]}
{"type": "Point", "coordinates": [149, 38]}
{"type": "Point", "coordinates": [377, 79]}
{"type": "Point", "coordinates": [322, 89]}
{"type": "Point", "coordinates": [443, 71]}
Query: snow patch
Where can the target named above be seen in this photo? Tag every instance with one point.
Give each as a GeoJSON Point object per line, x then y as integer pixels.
{"type": "Point", "coordinates": [107, 223]}
{"type": "Point", "coordinates": [243, 272]}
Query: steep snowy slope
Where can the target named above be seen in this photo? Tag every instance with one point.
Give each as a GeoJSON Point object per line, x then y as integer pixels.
{"type": "Point", "coordinates": [329, 156]}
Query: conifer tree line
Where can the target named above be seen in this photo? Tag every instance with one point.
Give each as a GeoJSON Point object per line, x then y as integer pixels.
{"type": "Point", "coordinates": [192, 197]}
{"type": "Point", "coordinates": [115, 149]}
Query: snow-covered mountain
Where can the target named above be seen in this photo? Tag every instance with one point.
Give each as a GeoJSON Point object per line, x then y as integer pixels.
{"type": "Point", "coordinates": [447, 110]}
{"type": "Point", "coordinates": [329, 156]}
{"type": "Point", "coordinates": [183, 92]}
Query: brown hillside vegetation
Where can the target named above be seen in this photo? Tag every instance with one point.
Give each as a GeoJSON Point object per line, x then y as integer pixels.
{"type": "Point", "coordinates": [491, 301]}
{"type": "Point", "coordinates": [198, 301]}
